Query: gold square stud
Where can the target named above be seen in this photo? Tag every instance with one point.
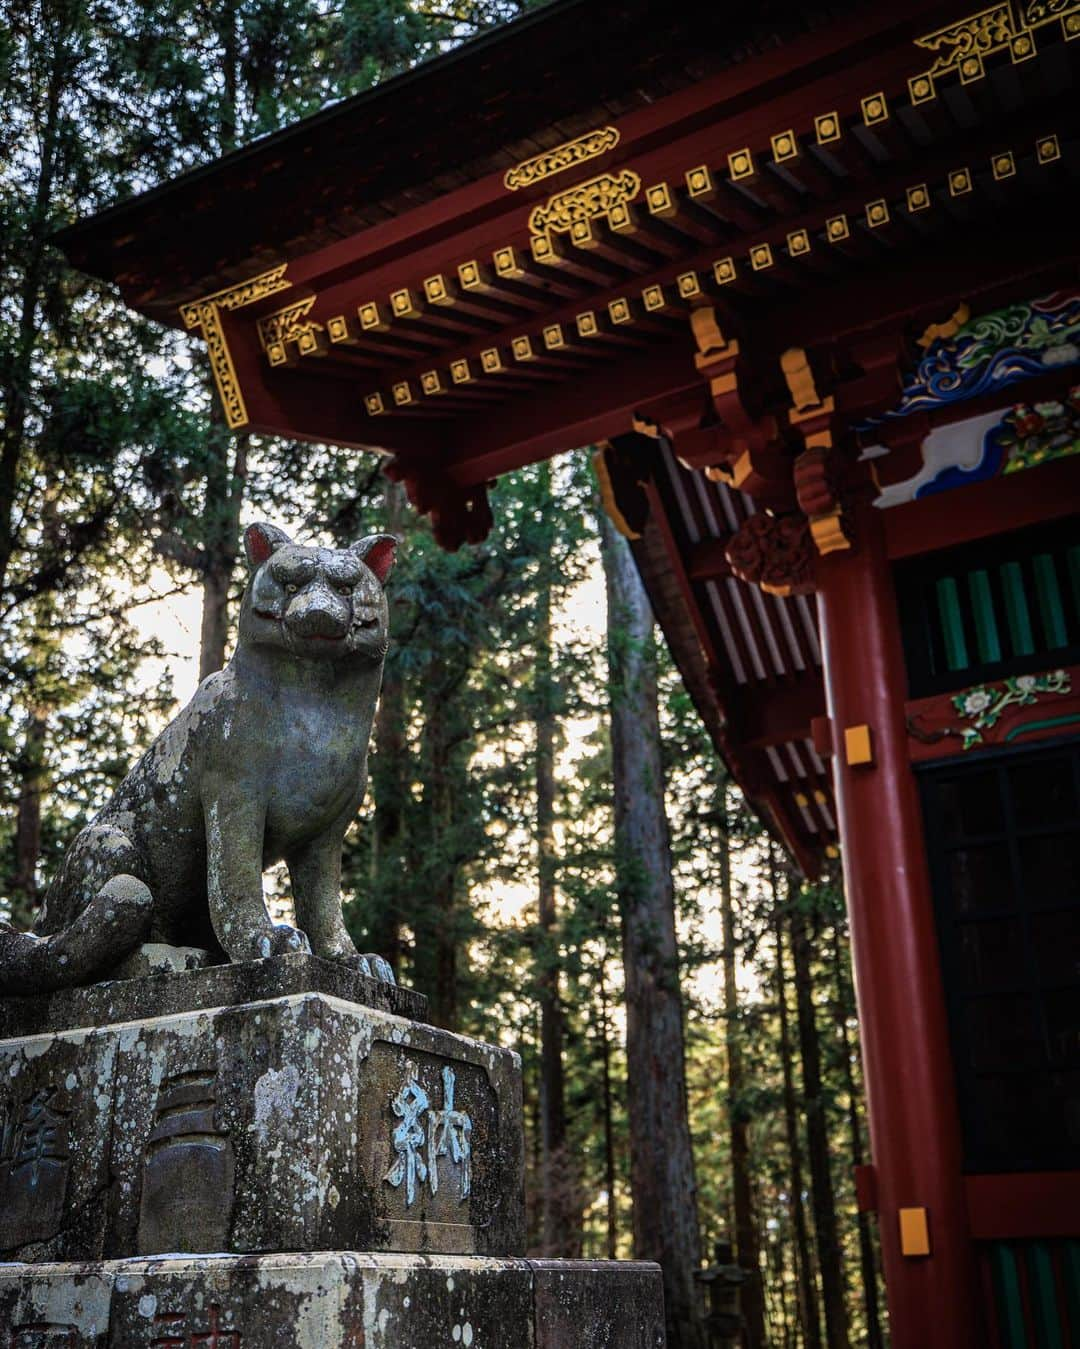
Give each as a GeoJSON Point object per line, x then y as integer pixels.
{"type": "Point", "coordinates": [836, 228]}
{"type": "Point", "coordinates": [858, 746]}
{"type": "Point", "coordinates": [277, 353]}
{"type": "Point", "coordinates": [311, 342]}
{"type": "Point", "coordinates": [337, 328]}
{"type": "Point", "coordinates": [659, 200]}
{"type": "Point", "coordinates": [741, 164]}
{"type": "Point", "coordinates": [1022, 48]}
{"type": "Point", "coordinates": [587, 325]}
{"type": "Point", "coordinates": [827, 127]}
{"type": "Point", "coordinates": [1070, 26]}
{"type": "Point", "coordinates": [431, 383]}
{"type": "Point", "coordinates": [971, 68]}
{"type": "Point", "coordinates": [620, 310]}
{"type": "Point", "coordinates": [469, 275]}
{"type": "Point", "coordinates": [402, 304]}
{"type": "Point", "coordinates": [784, 146]}
{"type": "Point", "coordinates": [545, 250]}
{"type": "Point", "coordinates": [436, 290]}
{"type": "Point", "coordinates": [921, 88]}
{"type": "Point", "coordinates": [402, 393]}
{"type": "Point", "coordinates": [507, 262]}
{"type": "Point", "coordinates": [522, 348]}
{"type": "Point", "coordinates": [1003, 165]}
{"type": "Point", "coordinates": [699, 182]}
{"type": "Point", "coordinates": [491, 361]}
{"type": "Point", "coordinates": [723, 270]}
{"type": "Point", "coordinates": [877, 213]}
{"type": "Point", "coordinates": [460, 372]}
{"type": "Point", "coordinates": [874, 109]}
{"type": "Point", "coordinates": [761, 257]}
{"type": "Point", "coordinates": [914, 1232]}
{"type": "Point", "coordinates": [374, 404]}
{"type": "Point", "coordinates": [654, 298]}
{"type": "Point", "coordinates": [620, 218]}
{"type": "Point", "coordinates": [689, 285]}
{"type": "Point", "coordinates": [371, 318]}
{"type": "Point", "coordinates": [959, 182]}
{"type": "Point", "coordinates": [918, 197]}
{"type": "Point", "coordinates": [1047, 149]}
{"type": "Point", "coordinates": [798, 243]}
{"type": "Point", "coordinates": [553, 337]}
{"type": "Point", "coordinates": [581, 234]}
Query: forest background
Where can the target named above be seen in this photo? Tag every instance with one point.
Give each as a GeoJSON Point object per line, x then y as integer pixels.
{"type": "Point", "coordinates": [489, 863]}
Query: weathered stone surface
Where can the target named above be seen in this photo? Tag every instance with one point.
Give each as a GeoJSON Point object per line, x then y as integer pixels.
{"type": "Point", "coordinates": [201, 989]}
{"type": "Point", "coordinates": [298, 1123]}
{"type": "Point", "coordinates": [586, 1303]}
{"type": "Point", "coordinates": [332, 1300]}
{"type": "Point", "coordinates": [55, 1306]}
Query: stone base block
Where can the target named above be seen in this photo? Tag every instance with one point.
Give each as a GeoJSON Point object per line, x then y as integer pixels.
{"type": "Point", "coordinates": [332, 1300]}
{"type": "Point", "coordinates": [298, 1123]}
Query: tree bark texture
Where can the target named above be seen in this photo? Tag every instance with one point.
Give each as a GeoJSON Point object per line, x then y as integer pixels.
{"type": "Point", "coordinates": [558, 1173]}
{"type": "Point", "coordinates": [661, 1158]}
{"type": "Point", "coordinates": [823, 1199]}
{"type": "Point", "coordinates": [747, 1243]}
{"type": "Point", "coordinates": [389, 786]}
{"type": "Point", "coordinates": [223, 503]}
{"type": "Point", "coordinates": [809, 1315]}
{"type": "Point", "coordinates": [867, 1263]}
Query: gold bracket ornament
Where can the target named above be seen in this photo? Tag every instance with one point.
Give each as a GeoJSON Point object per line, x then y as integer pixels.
{"type": "Point", "coordinates": [280, 331]}
{"type": "Point", "coordinates": [205, 314]}
{"type": "Point", "coordinates": [608, 195]}
{"type": "Point", "coordinates": [961, 47]}
{"type": "Point", "coordinates": [812, 416]}
{"type": "Point", "coordinates": [561, 158]}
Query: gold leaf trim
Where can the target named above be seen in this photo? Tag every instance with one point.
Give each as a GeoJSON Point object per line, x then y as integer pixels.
{"type": "Point", "coordinates": [587, 201]}
{"type": "Point", "coordinates": [205, 314]}
{"type": "Point", "coordinates": [561, 158]}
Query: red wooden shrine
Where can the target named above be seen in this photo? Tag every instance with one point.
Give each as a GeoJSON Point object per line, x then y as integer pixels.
{"type": "Point", "coordinates": [809, 280]}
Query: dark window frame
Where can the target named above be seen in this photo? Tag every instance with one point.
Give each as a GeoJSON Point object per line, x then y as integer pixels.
{"type": "Point", "coordinates": [959, 996]}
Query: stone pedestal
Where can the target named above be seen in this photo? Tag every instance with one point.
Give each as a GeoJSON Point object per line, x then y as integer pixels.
{"type": "Point", "coordinates": [330, 1301]}
{"type": "Point", "coordinates": [217, 1118]}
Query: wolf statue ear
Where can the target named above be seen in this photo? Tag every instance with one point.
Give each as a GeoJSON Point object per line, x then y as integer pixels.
{"type": "Point", "coordinates": [377, 552]}
{"type": "Point", "coordinates": [262, 540]}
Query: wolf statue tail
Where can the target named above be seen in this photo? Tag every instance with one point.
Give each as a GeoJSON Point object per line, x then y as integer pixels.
{"type": "Point", "coordinates": [110, 926]}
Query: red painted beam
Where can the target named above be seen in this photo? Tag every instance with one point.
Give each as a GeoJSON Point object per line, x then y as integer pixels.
{"type": "Point", "coordinates": [911, 1087]}
{"type": "Point", "coordinates": [1046, 492]}
{"type": "Point", "coordinates": [780, 713]}
{"type": "Point", "coordinates": [1027, 1206]}
{"type": "Point", "coordinates": [592, 408]}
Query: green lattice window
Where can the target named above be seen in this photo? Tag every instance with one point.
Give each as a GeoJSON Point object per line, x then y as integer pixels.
{"type": "Point", "coordinates": [1005, 605]}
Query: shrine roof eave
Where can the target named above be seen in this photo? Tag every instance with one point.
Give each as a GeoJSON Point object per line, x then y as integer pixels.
{"type": "Point", "coordinates": [413, 138]}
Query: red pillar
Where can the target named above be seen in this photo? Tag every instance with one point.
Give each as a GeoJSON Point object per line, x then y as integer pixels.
{"type": "Point", "coordinates": [914, 1126]}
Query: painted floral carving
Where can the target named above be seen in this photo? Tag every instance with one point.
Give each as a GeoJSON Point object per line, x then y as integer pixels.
{"type": "Point", "coordinates": [1037, 434]}
{"type": "Point", "coordinates": [773, 552]}
{"type": "Point", "coordinates": [992, 351]}
{"type": "Point", "coordinates": [984, 704]}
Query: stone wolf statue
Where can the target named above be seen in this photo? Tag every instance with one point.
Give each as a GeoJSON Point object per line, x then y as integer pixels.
{"type": "Point", "coordinates": [268, 762]}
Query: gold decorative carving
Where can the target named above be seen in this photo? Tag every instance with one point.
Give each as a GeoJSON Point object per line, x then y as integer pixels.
{"type": "Point", "coordinates": [287, 325]}
{"type": "Point", "coordinates": [587, 201]}
{"type": "Point", "coordinates": [561, 158]}
{"type": "Point", "coordinates": [963, 46]}
{"type": "Point", "coordinates": [205, 314]}
{"type": "Point", "coordinates": [935, 332]}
